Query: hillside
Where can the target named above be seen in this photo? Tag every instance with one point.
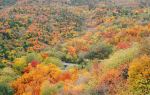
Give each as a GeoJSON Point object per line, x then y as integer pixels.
{"type": "Point", "coordinates": [75, 47]}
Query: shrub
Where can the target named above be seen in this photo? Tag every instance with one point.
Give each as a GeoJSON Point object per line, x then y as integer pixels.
{"type": "Point", "coordinates": [7, 74]}
{"type": "Point", "coordinates": [34, 63]}
{"type": "Point", "coordinates": [2, 65]}
{"type": "Point", "coordinates": [100, 51]}
{"type": "Point", "coordinates": [114, 80]}
{"type": "Point", "coordinates": [145, 46]}
{"type": "Point", "coordinates": [5, 89]}
{"type": "Point", "coordinates": [33, 56]}
{"type": "Point", "coordinates": [109, 81]}
{"type": "Point", "coordinates": [53, 60]}
{"type": "Point", "coordinates": [35, 77]}
{"type": "Point", "coordinates": [8, 71]}
{"type": "Point", "coordinates": [48, 89]}
{"type": "Point", "coordinates": [57, 54]}
{"type": "Point", "coordinates": [67, 16]}
{"type": "Point", "coordinates": [91, 3]}
{"type": "Point", "coordinates": [70, 59]}
{"type": "Point", "coordinates": [20, 64]}
{"type": "Point", "coordinates": [121, 57]}
{"type": "Point", "coordinates": [8, 2]}
{"type": "Point", "coordinates": [123, 45]}
{"type": "Point", "coordinates": [139, 75]}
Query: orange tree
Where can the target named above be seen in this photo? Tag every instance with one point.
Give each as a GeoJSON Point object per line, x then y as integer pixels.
{"type": "Point", "coordinates": [32, 80]}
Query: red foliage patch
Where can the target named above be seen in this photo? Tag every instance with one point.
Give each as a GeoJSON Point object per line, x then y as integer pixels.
{"type": "Point", "coordinates": [34, 63]}
{"type": "Point", "coordinates": [113, 78]}
{"type": "Point", "coordinates": [123, 45]}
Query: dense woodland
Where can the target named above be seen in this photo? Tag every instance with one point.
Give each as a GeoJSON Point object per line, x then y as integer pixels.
{"type": "Point", "coordinates": [74, 47]}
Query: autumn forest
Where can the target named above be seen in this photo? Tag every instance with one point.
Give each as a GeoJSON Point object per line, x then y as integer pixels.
{"type": "Point", "coordinates": [74, 47]}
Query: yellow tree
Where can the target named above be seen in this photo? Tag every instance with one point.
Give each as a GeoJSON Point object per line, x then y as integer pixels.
{"type": "Point", "coordinates": [139, 75]}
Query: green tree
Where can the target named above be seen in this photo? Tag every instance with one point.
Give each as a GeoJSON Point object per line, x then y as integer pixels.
{"type": "Point", "coordinates": [5, 89]}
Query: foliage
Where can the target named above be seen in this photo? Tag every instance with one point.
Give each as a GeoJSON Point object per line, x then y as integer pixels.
{"type": "Point", "coordinates": [35, 77]}
{"type": "Point", "coordinates": [100, 51]}
{"type": "Point", "coordinates": [139, 75]}
{"type": "Point", "coordinates": [67, 18]}
{"type": "Point", "coordinates": [7, 74]}
{"type": "Point", "coordinates": [121, 57]}
{"type": "Point", "coordinates": [99, 42]}
{"type": "Point", "coordinates": [53, 60]}
{"type": "Point", "coordinates": [5, 89]}
{"type": "Point", "coordinates": [19, 64]}
{"type": "Point", "coordinates": [8, 2]}
{"type": "Point", "coordinates": [47, 89]}
{"type": "Point", "coordinates": [33, 56]}
{"type": "Point", "coordinates": [90, 3]}
{"type": "Point", "coordinates": [123, 45]}
{"type": "Point", "coordinates": [56, 53]}
{"type": "Point", "coordinates": [145, 46]}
